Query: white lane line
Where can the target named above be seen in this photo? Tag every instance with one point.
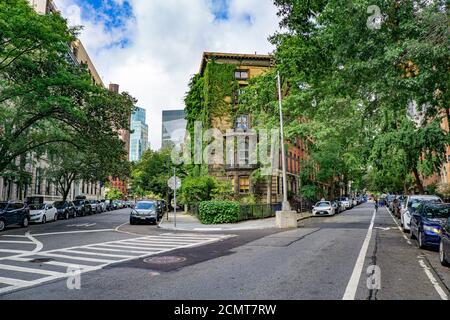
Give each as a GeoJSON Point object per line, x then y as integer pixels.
{"type": "Point", "coordinates": [29, 270]}
{"type": "Point", "coordinates": [113, 250]}
{"type": "Point", "coordinates": [71, 232]}
{"type": "Point", "coordinates": [143, 250]}
{"type": "Point", "coordinates": [13, 236]}
{"type": "Point", "coordinates": [352, 286]}
{"type": "Point", "coordinates": [133, 243]}
{"type": "Point", "coordinates": [433, 281]}
{"type": "Point", "coordinates": [76, 258]}
{"type": "Point", "coordinates": [18, 242]}
{"type": "Point", "coordinates": [12, 251]}
{"type": "Point", "coordinates": [97, 254]}
{"type": "Point", "coordinates": [67, 265]}
{"type": "Point", "coordinates": [14, 282]}
{"type": "Point", "coordinates": [399, 228]}
{"type": "Point", "coordinates": [167, 240]}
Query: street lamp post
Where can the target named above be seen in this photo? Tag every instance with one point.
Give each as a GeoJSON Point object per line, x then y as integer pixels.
{"type": "Point", "coordinates": [286, 205]}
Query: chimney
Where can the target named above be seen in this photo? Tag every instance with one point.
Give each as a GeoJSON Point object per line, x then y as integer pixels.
{"type": "Point", "coordinates": [114, 87]}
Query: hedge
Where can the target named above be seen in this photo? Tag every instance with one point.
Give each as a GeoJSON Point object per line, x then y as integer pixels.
{"type": "Point", "coordinates": [216, 212]}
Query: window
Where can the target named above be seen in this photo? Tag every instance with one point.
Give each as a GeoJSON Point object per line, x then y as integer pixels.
{"type": "Point", "coordinates": [241, 75]}
{"type": "Point", "coordinates": [47, 187]}
{"type": "Point", "coordinates": [244, 184]}
{"type": "Point", "coordinates": [242, 123]}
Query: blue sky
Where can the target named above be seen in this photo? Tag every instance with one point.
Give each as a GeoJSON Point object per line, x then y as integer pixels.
{"type": "Point", "coordinates": [152, 48]}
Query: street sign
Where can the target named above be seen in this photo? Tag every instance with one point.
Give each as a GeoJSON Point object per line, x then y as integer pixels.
{"type": "Point", "coordinates": [174, 183]}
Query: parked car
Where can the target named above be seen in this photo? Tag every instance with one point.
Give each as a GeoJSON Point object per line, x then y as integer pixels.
{"type": "Point", "coordinates": [65, 209]}
{"type": "Point", "coordinates": [346, 202]}
{"type": "Point", "coordinates": [144, 211]}
{"type": "Point", "coordinates": [427, 223]}
{"type": "Point", "coordinates": [323, 208]}
{"type": "Point", "coordinates": [337, 206]}
{"type": "Point", "coordinates": [41, 213]}
{"type": "Point", "coordinates": [412, 203]}
{"type": "Point", "coordinates": [444, 246]}
{"type": "Point", "coordinates": [12, 213]}
{"type": "Point", "coordinates": [96, 208]}
{"type": "Point", "coordinates": [83, 207]}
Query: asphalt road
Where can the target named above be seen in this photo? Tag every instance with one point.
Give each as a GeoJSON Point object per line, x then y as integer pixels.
{"type": "Point", "coordinates": [326, 258]}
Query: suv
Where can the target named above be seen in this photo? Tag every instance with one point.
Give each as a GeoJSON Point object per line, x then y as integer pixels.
{"type": "Point", "coordinates": [14, 213]}
{"type": "Point", "coordinates": [83, 207]}
{"type": "Point", "coordinates": [66, 209]}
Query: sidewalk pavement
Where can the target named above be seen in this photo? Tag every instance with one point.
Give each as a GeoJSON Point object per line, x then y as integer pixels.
{"type": "Point", "coordinates": [188, 222]}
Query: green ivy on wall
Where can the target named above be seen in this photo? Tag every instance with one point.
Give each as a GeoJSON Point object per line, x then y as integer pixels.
{"type": "Point", "coordinates": [210, 95]}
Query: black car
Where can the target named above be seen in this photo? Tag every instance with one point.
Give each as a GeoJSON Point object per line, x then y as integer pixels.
{"type": "Point", "coordinates": [14, 213]}
{"type": "Point", "coordinates": [66, 209]}
{"type": "Point", "coordinates": [82, 207]}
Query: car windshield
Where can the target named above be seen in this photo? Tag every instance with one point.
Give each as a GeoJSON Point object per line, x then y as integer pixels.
{"type": "Point", "coordinates": [60, 204]}
{"type": "Point", "coordinates": [323, 204]}
{"type": "Point", "coordinates": [3, 205]}
{"type": "Point", "coordinates": [78, 202]}
{"type": "Point", "coordinates": [415, 202]}
{"type": "Point", "coordinates": [145, 206]}
{"type": "Point", "coordinates": [438, 212]}
{"type": "Point", "coordinates": [344, 199]}
{"type": "Point", "coordinates": [37, 207]}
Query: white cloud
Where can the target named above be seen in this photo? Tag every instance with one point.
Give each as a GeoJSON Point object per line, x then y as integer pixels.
{"type": "Point", "coordinates": [167, 39]}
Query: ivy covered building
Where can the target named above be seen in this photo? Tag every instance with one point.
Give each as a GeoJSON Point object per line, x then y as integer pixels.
{"type": "Point", "coordinates": [213, 99]}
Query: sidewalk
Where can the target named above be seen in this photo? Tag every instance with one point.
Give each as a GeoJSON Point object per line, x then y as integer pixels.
{"type": "Point", "coordinates": [188, 222]}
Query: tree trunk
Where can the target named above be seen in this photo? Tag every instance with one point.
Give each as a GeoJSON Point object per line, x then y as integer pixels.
{"type": "Point", "coordinates": [418, 181]}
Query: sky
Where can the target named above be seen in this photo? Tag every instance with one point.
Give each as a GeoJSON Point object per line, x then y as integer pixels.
{"type": "Point", "coordinates": [152, 48]}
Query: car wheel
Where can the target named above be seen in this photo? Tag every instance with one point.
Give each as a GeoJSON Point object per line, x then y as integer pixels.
{"type": "Point", "coordinates": [131, 222]}
{"type": "Point", "coordinates": [442, 257]}
{"type": "Point", "coordinates": [44, 219]}
{"type": "Point", "coordinates": [25, 222]}
{"type": "Point", "coordinates": [2, 225]}
{"type": "Point", "coordinates": [66, 215]}
{"type": "Point", "coordinates": [55, 218]}
{"type": "Point", "coordinates": [420, 238]}
{"type": "Point", "coordinates": [75, 215]}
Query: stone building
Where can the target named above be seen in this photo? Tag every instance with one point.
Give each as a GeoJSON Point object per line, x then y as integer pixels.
{"type": "Point", "coordinates": [234, 124]}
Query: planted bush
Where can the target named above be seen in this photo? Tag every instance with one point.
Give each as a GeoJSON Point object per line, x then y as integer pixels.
{"type": "Point", "coordinates": [216, 212]}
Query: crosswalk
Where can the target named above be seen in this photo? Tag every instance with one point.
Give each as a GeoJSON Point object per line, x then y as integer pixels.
{"type": "Point", "coordinates": [26, 270]}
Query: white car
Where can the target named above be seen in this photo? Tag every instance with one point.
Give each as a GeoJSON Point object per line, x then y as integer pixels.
{"type": "Point", "coordinates": [41, 213]}
{"type": "Point", "coordinates": [346, 202]}
{"type": "Point", "coordinates": [411, 204]}
{"type": "Point", "coordinates": [323, 208]}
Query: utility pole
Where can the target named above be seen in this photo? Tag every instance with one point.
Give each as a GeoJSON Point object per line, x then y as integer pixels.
{"type": "Point", "coordinates": [286, 205]}
{"type": "Point", "coordinates": [175, 199]}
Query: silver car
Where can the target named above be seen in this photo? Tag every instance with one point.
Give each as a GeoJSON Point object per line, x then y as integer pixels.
{"type": "Point", "coordinates": [144, 212]}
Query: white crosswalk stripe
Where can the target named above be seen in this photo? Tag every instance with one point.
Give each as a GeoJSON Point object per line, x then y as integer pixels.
{"type": "Point", "coordinates": [89, 257]}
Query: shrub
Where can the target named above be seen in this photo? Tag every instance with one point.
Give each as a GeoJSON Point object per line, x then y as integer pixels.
{"type": "Point", "coordinates": [216, 212]}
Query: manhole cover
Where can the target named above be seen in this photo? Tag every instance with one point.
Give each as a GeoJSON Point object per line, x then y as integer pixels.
{"type": "Point", "coordinates": [164, 260]}
{"type": "Point", "coordinates": [43, 260]}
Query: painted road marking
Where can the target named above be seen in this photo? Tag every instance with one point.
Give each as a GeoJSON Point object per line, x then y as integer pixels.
{"type": "Point", "coordinates": [29, 270]}
{"type": "Point", "coordinates": [433, 280]}
{"type": "Point", "coordinates": [114, 252]}
{"type": "Point", "coordinates": [352, 286]}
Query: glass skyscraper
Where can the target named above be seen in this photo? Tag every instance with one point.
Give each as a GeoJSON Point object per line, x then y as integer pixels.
{"type": "Point", "coordinates": [173, 127]}
{"type": "Point", "coordinates": [139, 137]}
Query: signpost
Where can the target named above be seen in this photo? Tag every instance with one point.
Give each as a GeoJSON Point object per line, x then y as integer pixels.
{"type": "Point", "coordinates": [174, 183]}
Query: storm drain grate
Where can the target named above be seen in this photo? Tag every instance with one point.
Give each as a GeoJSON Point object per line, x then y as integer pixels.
{"type": "Point", "coordinates": [165, 260]}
